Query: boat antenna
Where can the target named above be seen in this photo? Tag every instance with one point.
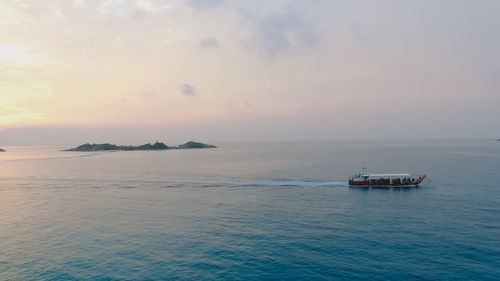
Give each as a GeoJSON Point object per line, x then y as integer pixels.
{"type": "Point", "coordinates": [364, 170]}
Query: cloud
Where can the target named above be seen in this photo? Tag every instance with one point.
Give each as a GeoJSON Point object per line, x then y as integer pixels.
{"type": "Point", "coordinates": [56, 10]}
{"type": "Point", "coordinates": [145, 5]}
{"type": "Point", "coordinates": [106, 6]}
{"type": "Point", "coordinates": [127, 7]}
{"type": "Point", "coordinates": [279, 31]}
{"type": "Point", "coordinates": [203, 4]}
{"type": "Point", "coordinates": [149, 7]}
{"type": "Point", "coordinates": [209, 42]}
{"type": "Point", "coordinates": [188, 90]}
{"type": "Point", "coordinates": [78, 3]}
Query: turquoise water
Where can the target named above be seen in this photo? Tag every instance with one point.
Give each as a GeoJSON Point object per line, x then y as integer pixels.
{"type": "Point", "coordinates": [257, 211]}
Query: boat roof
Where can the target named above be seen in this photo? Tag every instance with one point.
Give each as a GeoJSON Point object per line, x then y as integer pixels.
{"type": "Point", "coordinates": [387, 175]}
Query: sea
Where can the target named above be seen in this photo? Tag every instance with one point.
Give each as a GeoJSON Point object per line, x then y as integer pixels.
{"type": "Point", "coordinates": [251, 211]}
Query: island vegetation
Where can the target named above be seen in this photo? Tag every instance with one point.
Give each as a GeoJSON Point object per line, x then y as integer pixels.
{"type": "Point", "coordinates": [193, 144]}
{"type": "Point", "coordinates": [148, 146]}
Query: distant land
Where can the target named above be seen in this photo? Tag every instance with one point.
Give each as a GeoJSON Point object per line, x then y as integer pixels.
{"type": "Point", "coordinates": [148, 146]}
{"type": "Point", "coordinates": [1, 150]}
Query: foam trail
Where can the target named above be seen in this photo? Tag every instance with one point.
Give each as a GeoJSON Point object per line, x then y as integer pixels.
{"type": "Point", "coordinates": [300, 183]}
{"type": "Point", "coordinates": [271, 183]}
{"type": "Point", "coordinates": [52, 158]}
{"type": "Point", "coordinates": [238, 184]}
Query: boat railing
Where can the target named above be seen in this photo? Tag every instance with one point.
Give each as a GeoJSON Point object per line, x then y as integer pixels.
{"type": "Point", "coordinates": [387, 179]}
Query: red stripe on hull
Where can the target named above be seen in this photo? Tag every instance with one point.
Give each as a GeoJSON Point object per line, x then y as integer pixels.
{"type": "Point", "coordinates": [368, 184]}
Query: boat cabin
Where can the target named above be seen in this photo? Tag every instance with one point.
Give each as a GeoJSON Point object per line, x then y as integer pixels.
{"type": "Point", "coordinates": [386, 179]}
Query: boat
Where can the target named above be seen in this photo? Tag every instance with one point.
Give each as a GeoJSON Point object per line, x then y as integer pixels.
{"type": "Point", "coordinates": [380, 180]}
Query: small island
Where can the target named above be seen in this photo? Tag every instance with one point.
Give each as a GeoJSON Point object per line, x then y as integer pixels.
{"type": "Point", "coordinates": [148, 146]}
{"type": "Point", "coordinates": [193, 144]}
{"type": "Point", "coordinates": [498, 139]}
{"type": "Point", "coordinates": [1, 150]}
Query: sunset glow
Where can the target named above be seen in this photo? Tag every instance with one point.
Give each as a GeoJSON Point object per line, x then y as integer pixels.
{"type": "Point", "coordinates": [119, 63]}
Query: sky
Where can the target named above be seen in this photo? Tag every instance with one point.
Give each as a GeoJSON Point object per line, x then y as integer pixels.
{"type": "Point", "coordinates": [132, 71]}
